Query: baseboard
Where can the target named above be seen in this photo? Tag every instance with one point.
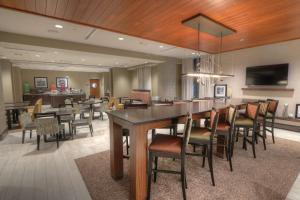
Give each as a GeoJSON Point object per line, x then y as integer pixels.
{"type": "Point", "coordinates": [3, 134]}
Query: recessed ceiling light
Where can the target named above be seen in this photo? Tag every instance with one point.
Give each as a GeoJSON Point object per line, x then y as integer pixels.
{"type": "Point", "coordinates": [3, 57]}
{"type": "Point", "coordinates": [99, 64]}
{"type": "Point", "coordinates": [193, 53]}
{"type": "Point", "coordinates": [55, 52]}
{"type": "Point", "coordinates": [117, 63]}
{"type": "Point", "coordinates": [242, 39]}
{"type": "Point", "coordinates": [120, 38]}
{"type": "Point", "coordinates": [37, 55]}
{"type": "Point", "coordinates": [161, 46]}
{"type": "Point", "coordinates": [58, 26]}
{"type": "Point", "coordinates": [52, 61]}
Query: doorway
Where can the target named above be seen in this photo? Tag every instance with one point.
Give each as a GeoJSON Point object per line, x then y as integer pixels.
{"type": "Point", "coordinates": [95, 88]}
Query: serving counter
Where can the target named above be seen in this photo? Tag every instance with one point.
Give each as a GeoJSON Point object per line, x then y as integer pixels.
{"type": "Point", "coordinates": [53, 99]}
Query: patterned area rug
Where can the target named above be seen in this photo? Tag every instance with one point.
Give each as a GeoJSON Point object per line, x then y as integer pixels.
{"type": "Point", "coordinates": [268, 177]}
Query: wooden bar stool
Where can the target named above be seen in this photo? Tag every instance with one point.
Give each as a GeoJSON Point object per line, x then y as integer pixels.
{"type": "Point", "coordinates": [169, 146]}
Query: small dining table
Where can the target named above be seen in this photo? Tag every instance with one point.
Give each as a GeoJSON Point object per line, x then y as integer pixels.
{"type": "Point", "coordinates": [139, 121]}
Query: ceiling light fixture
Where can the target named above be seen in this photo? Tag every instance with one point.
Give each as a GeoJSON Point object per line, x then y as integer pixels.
{"type": "Point", "coordinates": [59, 26]}
{"type": "Point", "coordinates": [213, 28]}
{"type": "Point", "coordinates": [55, 52]}
{"type": "Point", "coordinates": [161, 46]}
{"type": "Point", "coordinates": [3, 57]}
{"type": "Point", "coordinates": [37, 55]}
{"type": "Point", "coordinates": [120, 38]}
{"type": "Point", "coordinates": [82, 59]}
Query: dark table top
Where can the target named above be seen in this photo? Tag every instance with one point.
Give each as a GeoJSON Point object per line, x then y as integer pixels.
{"type": "Point", "coordinates": [16, 106]}
{"type": "Point", "coordinates": [157, 113]}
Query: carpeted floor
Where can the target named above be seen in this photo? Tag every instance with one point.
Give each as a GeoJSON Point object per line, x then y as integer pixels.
{"type": "Point", "coordinates": [268, 177]}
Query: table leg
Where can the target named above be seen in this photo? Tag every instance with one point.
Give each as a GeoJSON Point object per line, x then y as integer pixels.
{"type": "Point", "coordinates": [116, 150]}
{"type": "Point", "coordinates": [138, 162]}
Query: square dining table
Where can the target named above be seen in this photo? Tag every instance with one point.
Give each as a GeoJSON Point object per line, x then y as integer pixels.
{"type": "Point", "coordinates": [139, 121]}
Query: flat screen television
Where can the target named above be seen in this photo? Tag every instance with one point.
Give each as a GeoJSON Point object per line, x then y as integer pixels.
{"type": "Point", "coordinates": [267, 75]}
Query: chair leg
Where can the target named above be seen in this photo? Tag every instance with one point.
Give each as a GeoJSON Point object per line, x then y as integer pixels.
{"type": "Point", "coordinates": [57, 140]}
{"type": "Point", "coordinates": [127, 145]}
{"type": "Point", "coordinates": [72, 132]}
{"type": "Point", "coordinates": [183, 186]}
{"type": "Point", "coordinates": [253, 144]}
{"type": "Point", "coordinates": [91, 130]}
{"type": "Point", "coordinates": [204, 152]}
{"type": "Point", "coordinates": [30, 134]}
{"type": "Point", "coordinates": [149, 175]}
{"type": "Point", "coordinates": [155, 167]}
{"type": "Point", "coordinates": [38, 142]}
{"type": "Point", "coordinates": [264, 135]}
{"type": "Point", "coordinates": [210, 163]}
{"type": "Point", "coordinates": [237, 134]}
{"type": "Point", "coordinates": [23, 136]}
{"type": "Point", "coordinates": [229, 153]}
{"type": "Point", "coordinates": [272, 128]}
{"type": "Point", "coordinates": [194, 148]}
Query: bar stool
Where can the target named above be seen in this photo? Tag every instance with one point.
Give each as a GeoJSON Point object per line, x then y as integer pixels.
{"type": "Point", "coordinates": [248, 122]}
{"type": "Point", "coordinates": [262, 121]}
{"type": "Point", "coordinates": [204, 137]}
{"type": "Point", "coordinates": [271, 116]}
{"type": "Point", "coordinates": [226, 129]}
{"type": "Point", "coordinates": [169, 146]}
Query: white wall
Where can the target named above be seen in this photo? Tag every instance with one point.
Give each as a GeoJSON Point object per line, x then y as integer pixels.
{"type": "Point", "coordinates": [287, 52]}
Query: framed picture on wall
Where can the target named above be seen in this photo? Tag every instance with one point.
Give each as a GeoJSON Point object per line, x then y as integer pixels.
{"type": "Point", "coordinates": [62, 81]}
{"type": "Point", "coordinates": [40, 82]}
{"type": "Point", "coordinates": [297, 114]}
{"type": "Point", "coordinates": [220, 91]}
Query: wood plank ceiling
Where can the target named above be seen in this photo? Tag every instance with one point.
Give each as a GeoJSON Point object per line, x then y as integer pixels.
{"type": "Point", "coordinates": [257, 22]}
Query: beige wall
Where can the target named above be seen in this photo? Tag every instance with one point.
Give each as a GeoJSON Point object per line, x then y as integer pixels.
{"type": "Point", "coordinates": [2, 111]}
{"type": "Point", "coordinates": [7, 81]}
{"type": "Point", "coordinates": [287, 52]}
{"type": "Point", "coordinates": [17, 84]}
{"type": "Point", "coordinates": [166, 81]}
{"type": "Point", "coordinates": [121, 81]}
{"type": "Point", "coordinates": [77, 80]}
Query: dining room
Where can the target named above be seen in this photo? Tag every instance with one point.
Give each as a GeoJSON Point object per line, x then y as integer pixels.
{"type": "Point", "coordinates": [149, 100]}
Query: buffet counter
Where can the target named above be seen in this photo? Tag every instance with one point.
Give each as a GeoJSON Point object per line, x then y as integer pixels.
{"type": "Point", "coordinates": [53, 99]}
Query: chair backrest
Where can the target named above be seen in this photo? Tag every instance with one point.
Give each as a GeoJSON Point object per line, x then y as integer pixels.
{"type": "Point", "coordinates": [45, 115]}
{"type": "Point", "coordinates": [263, 108]}
{"type": "Point", "coordinates": [39, 104]}
{"type": "Point", "coordinates": [273, 104]}
{"type": "Point", "coordinates": [46, 126]}
{"type": "Point", "coordinates": [231, 114]}
{"type": "Point", "coordinates": [104, 106]}
{"type": "Point", "coordinates": [252, 111]}
{"type": "Point", "coordinates": [68, 101]}
{"type": "Point", "coordinates": [187, 131]}
{"type": "Point", "coordinates": [214, 119]}
{"type": "Point", "coordinates": [25, 119]}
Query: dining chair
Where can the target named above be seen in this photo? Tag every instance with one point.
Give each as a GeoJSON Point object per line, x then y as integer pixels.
{"type": "Point", "coordinates": [226, 129]}
{"type": "Point", "coordinates": [66, 118]}
{"type": "Point", "coordinates": [271, 116]}
{"type": "Point", "coordinates": [169, 146]}
{"type": "Point", "coordinates": [125, 132]}
{"type": "Point", "coordinates": [248, 122]}
{"type": "Point", "coordinates": [262, 122]}
{"type": "Point", "coordinates": [26, 124]}
{"type": "Point", "coordinates": [82, 122]}
{"type": "Point", "coordinates": [204, 137]}
{"type": "Point", "coordinates": [173, 127]}
{"type": "Point", "coordinates": [47, 126]}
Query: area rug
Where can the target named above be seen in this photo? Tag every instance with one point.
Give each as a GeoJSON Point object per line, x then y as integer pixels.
{"type": "Point", "coordinates": [268, 177]}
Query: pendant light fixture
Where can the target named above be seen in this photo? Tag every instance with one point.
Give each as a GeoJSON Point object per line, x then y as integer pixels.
{"type": "Point", "coordinates": [216, 29]}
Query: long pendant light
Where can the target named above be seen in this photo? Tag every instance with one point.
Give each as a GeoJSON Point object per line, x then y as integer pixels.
{"type": "Point", "coordinates": [204, 19]}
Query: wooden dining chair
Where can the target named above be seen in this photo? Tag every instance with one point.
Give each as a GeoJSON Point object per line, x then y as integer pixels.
{"type": "Point", "coordinates": [204, 137]}
{"type": "Point", "coordinates": [125, 131]}
{"type": "Point", "coordinates": [169, 146]}
{"type": "Point", "coordinates": [262, 122]}
{"type": "Point", "coordinates": [226, 129]}
{"type": "Point", "coordinates": [248, 122]}
{"type": "Point", "coordinates": [271, 116]}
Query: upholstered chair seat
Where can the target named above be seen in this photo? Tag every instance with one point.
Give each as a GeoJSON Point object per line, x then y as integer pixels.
{"type": "Point", "coordinates": [245, 122]}
{"type": "Point", "coordinates": [166, 144]}
{"type": "Point", "coordinates": [198, 133]}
